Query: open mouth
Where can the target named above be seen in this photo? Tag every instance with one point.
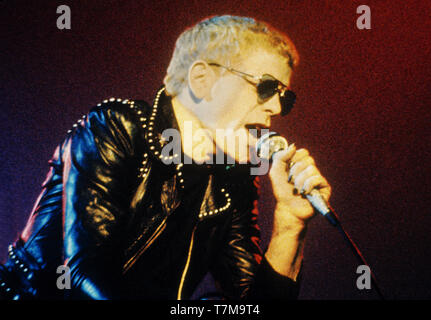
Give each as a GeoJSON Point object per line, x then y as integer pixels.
{"type": "Point", "coordinates": [257, 129]}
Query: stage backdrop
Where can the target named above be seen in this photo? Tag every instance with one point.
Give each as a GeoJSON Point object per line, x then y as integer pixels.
{"type": "Point", "coordinates": [362, 111]}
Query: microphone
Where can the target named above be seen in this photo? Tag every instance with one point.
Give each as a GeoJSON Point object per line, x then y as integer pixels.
{"type": "Point", "coordinates": [272, 142]}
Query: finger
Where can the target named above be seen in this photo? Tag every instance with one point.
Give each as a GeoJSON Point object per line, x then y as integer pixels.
{"type": "Point", "coordinates": [325, 190]}
{"type": "Point", "coordinates": [281, 158]}
{"type": "Point", "coordinates": [304, 175]}
{"type": "Point", "coordinates": [300, 166]}
{"type": "Point", "coordinates": [313, 182]}
{"type": "Point", "coordinates": [299, 155]}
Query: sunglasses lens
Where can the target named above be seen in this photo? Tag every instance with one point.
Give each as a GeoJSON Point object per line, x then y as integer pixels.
{"type": "Point", "coordinates": [287, 102]}
{"type": "Point", "coordinates": [266, 88]}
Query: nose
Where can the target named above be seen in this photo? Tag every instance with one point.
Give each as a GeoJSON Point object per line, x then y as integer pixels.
{"type": "Point", "coordinates": [273, 105]}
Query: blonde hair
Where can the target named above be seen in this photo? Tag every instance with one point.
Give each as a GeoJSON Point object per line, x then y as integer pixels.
{"type": "Point", "coordinates": [223, 39]}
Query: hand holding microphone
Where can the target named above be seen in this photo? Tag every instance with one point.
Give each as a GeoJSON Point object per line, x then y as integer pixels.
{"type": "Point", "coordinates": [295, 170]}
{"type": "Point", "coordinates": [294, 173]}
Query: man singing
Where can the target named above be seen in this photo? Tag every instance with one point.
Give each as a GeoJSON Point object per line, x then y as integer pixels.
{"type": "Point", "coordinates": [131, 221]}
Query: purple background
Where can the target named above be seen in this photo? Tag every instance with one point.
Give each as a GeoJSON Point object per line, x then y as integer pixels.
{"type": "Point", "coordinates": [362, 111]}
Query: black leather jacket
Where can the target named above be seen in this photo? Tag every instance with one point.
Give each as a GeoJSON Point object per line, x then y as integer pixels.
{"type": "Point", "coordinates": [129, 225]}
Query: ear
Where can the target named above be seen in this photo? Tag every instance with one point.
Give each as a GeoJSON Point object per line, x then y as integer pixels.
{"type": "Point", "coordinates": [201, 78]}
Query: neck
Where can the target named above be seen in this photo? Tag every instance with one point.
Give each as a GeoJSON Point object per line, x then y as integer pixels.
{"type": "Point", "coordinates": [201, 142]}
{"type": "Point", "coordinates": [196, 140]}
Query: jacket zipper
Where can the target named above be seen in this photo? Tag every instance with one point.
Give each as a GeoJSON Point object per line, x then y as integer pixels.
{"type": "Point", "coordinates": [153, 237]}
{"type": "Point", "coordinates": [186, 267]}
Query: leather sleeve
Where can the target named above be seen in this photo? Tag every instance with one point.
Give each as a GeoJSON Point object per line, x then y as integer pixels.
{"type": "Point", "coordinates": [239, 259]}
{"type": "Point", "coordinates": [270, 285]}
{"type": "Point", "coordinates": [242, 271]}
{"type": "Point", "coordinates": [99, 164]}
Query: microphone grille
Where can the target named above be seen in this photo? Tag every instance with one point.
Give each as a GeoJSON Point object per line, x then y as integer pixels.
{"type": "Point", "coordinates": [269, 144]}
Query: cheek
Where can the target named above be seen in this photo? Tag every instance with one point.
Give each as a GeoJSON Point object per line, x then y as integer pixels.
{"type": "Point", "coordinates": [233, 100]}
{"type": "Point", "coordinates": [238, 110]}
{"type": "Point", "coordinates": [242, 100]}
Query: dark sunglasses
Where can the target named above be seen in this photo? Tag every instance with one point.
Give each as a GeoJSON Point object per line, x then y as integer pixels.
{"type": "Point", "coordinates": [266, 87]}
